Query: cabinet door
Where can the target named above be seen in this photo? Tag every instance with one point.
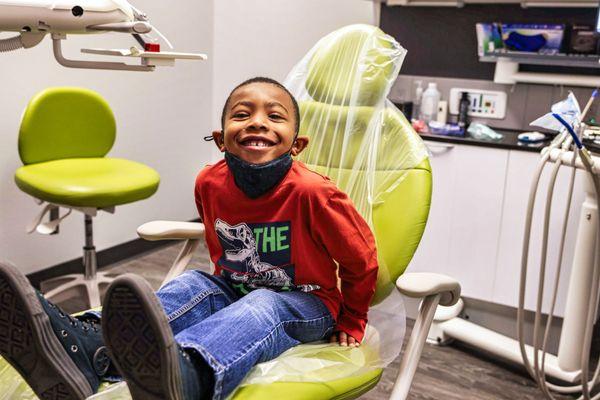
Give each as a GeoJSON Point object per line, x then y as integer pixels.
{"type": "Point", "coordinates": [461, 236]}
{"type": "Point", "coordinates": [521, 168]}
{"type": "Point", "coordinates": [432, 253]}
{"type": "Point", "coordinates": [477, 193]}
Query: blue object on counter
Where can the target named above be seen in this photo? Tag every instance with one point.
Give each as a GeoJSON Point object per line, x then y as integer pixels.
{"type": "Point", "coordinates": [483, 132]}
{"type": "Point", "coordinates": [532, 137]}
{"type": "Point", "coordinates": [438, 128]}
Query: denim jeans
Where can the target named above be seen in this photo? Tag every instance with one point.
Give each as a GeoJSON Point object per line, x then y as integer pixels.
{"type": "Point", "coordinates": [233, 333]}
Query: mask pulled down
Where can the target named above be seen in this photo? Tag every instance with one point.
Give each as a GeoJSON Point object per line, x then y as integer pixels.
{"type": "Point", "coordinates": [257, 179]}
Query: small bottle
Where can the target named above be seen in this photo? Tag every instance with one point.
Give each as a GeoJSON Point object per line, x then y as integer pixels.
{"type": "Point", "coordinates": [429, 103]}
{"type": "Point", "coordinates": [463, 110]}
{"type": "Point", "coordinates": [417, 99]}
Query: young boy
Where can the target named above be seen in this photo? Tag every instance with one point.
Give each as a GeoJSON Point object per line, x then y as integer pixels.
{"type": "Point", "coordinates": [273, 230]}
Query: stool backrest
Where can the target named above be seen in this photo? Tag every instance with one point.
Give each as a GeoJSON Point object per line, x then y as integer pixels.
{"type": "Point", "coordinates": [66, 122]}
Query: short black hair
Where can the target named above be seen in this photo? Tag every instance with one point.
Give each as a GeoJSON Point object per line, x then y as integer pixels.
{"type": "Point", "coordinates": [262, 79]}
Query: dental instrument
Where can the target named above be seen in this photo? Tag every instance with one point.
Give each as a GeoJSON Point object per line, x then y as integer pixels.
{"type": "Point", "coordinates": [34, 19]}
{"type": "Point", "coordinates": [571, 364]}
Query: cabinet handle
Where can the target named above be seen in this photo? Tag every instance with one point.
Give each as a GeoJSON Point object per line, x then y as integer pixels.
{"type": "Point", "coordinates": [435, 149]}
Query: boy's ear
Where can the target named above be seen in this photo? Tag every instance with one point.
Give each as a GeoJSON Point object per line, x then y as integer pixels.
{"type": "Point", "coordinates": [218, 139]}
{"type": "Point", "coordinates": [299, 144]}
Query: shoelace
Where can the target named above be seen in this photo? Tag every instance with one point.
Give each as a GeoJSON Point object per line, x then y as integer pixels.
{"type": "Point", "coordinates": [85, 325]}
{"type": "Point", "coordinates": [184, 354]}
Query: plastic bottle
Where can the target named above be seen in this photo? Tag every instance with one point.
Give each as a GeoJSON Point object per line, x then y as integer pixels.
{"type": "Point", "coordinates": [463, 110]}
{"type": "Point", "coordinates": [429, 103]}
{"type": "Point", "coordinates": [417, 99]}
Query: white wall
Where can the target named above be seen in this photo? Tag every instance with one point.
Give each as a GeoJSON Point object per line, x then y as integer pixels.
{"type": "Point", "coordinates": [161, 118]}
{"type": "Point", "coordinates": [267, 37]}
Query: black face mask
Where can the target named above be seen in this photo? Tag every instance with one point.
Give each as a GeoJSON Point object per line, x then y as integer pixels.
{"type": "Point", "coordinates": [257, 179]}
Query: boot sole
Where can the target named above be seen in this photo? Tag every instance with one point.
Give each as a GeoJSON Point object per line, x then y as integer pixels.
{"type": "Point", "coordinates": [140, 340]}
{"type": "Point", "coordinates": [28, 342]}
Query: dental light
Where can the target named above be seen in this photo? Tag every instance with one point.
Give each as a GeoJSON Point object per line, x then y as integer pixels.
{"type": "Point", "coordinates": [34, 19]}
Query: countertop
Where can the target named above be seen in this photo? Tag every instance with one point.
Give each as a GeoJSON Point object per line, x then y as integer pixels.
{"type": "Point", "coordinates": [509, 141]}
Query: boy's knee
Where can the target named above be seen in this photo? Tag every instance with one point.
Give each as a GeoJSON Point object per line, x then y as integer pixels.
{"type": "Point", "coordinates": [263, 300]}
{"type": "Point", "coordinates": [265, 295]}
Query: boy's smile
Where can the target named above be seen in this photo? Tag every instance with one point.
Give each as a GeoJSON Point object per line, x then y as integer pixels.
{"type": "Point", "coordinates": [259, 124]}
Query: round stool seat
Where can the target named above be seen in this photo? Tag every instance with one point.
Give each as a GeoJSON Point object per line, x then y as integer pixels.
{"type": "Point", "coordinates": [88, 182]}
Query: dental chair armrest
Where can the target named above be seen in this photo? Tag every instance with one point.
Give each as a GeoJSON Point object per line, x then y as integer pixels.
{"type": "Point", "coordinates": [434, 289]}
{"type": "Point", "coordinates": [423, 284]}
{"type": "Point", "coordinates": [171, 230]}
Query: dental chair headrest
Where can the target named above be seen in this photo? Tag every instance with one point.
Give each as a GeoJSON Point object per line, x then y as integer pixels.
{"type": "Point", "coordinates": [353, 66]}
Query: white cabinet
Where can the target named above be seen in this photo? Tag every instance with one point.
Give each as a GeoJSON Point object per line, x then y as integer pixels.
{"type": "Point", "coordinates": [432, 253]}
{"type": "Point", "coordinates": [462, 232]}
{"type": "Point", "coordinates": [477, 221]}
{"type": "Point", "coordinates": [476, 216]}
{"type": "Point", "coordinates": [521, 167]}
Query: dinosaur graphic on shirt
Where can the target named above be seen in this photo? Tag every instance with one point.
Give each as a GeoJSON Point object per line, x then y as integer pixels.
{"type": "Point", "coordinates": [240, 249]}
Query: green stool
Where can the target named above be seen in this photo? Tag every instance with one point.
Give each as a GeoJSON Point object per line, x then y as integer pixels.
{"type": "Point", "coordinates": [64, 137]}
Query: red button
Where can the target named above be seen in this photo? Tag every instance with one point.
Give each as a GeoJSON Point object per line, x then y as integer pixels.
{"type": "Point", "coordinates": [153, 47]}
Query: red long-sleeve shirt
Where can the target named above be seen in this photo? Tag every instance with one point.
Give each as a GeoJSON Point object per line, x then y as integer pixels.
{"type": "Point", "coordinates": [289, 238]}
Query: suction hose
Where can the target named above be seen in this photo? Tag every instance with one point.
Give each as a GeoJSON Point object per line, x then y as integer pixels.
{"type": "Point", "coordinates": [24, 40]}
{"type": "Point", "coordinates": [525, 252]}
{"type": "Point", "coordinates": [537, 373]}
{"type": "Point", "coordinates": [11, 44]}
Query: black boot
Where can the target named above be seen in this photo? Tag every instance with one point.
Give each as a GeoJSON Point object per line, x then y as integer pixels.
{"type": "Point", "coordinates": [59, 356]}
{"type": "Point", "coordinates": [142, 346]}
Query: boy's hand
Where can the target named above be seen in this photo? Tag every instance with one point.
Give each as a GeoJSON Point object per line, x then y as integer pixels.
{"type": "Point", "coordinates": [344, 339]}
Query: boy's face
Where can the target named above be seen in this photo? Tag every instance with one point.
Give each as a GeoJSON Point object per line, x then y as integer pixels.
{"type": "Point", "coordinates": [259, 124]}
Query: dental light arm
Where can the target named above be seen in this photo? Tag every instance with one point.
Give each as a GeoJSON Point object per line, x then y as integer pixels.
{"type": "Point", "coordinates": [34, 19]}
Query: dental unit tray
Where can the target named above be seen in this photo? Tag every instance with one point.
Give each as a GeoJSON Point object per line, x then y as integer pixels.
{"type": "Point", "coordinates": [32, 20]}
{"type": "Point", "coordinates": [153, 58]}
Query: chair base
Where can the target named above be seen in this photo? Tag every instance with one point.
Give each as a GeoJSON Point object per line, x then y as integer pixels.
{"type": "Point", "coordinates": [68, 286]}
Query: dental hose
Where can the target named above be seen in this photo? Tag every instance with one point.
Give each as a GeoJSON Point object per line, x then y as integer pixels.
{"type": "Point", "coordinates": [542, 273]}
{"type": "Point", "coordinates": [542, 379]}
{"type": "Point", "coordinates": [11, 44]}
{"type": "Point", "coordinates": [539, 375]}
{"type": "Point", "coordinates": [525, 252]}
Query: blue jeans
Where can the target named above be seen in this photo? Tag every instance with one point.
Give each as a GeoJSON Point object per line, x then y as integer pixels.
{"type": "Point", "coordinates": [233, 333]}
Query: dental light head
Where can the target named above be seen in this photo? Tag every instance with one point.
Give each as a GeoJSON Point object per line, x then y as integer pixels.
{"type": "Point", "coordinates": [34, 19]}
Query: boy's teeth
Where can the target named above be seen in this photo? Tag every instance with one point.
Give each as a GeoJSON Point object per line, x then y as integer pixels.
{"type": "Point", "coordinates": [258, 143]}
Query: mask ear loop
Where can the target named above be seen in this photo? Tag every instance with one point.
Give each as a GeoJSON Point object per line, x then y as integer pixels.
{"type": "Point", "coordinates": [293, 143]}
{"type": "Point", "coordinates": [210, 137]}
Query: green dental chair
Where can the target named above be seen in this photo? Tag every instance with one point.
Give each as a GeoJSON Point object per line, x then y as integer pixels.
{"type": "Point", "coordinates": [65, 135]}
{"type": "Point", "coordinates": [347, 78]}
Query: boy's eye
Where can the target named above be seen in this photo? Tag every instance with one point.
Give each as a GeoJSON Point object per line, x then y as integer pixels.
{"type": "Point", "coordinates": [276, 116]}
{"type": "Point", "coordinates": [240, 114]}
